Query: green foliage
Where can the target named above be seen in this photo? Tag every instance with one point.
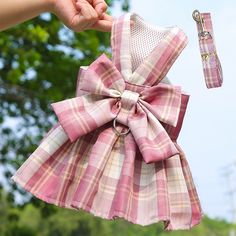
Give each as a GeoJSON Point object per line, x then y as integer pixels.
{"type": "Point", "coordinates": [30, 220]}
{"type": "Point", "coordinates": [39, 63]}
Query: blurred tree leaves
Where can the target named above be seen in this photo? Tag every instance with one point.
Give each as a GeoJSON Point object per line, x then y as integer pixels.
{"type": "Point", "coordinates": [39, 62]}
{"type": "Point", "coordinates": [30, 220]}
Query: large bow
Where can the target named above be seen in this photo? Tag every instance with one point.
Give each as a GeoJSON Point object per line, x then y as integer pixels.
{"type": "Point", "coordinates": [109, 97]}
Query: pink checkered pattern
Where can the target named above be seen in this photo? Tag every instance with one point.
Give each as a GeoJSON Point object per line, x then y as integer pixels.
{"type": "Point", "coordinates": [83, 164]}
{"type": "Point", "coordinates": [140, 110]}
{"type": "Point", "coordinates": [210, 61]}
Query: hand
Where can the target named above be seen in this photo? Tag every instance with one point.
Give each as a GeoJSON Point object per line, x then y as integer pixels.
{"type": "Point", "coordinates": [81, 15]}
{"type": "Point", "coordinates": [76, 14]}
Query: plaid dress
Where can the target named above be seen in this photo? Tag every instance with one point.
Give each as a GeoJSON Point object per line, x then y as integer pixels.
{"type": "Point", "coordinates": [84, 162]}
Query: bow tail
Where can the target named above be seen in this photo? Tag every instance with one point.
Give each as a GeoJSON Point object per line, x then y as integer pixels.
{"type": "Point", "coordinates": [81, 115]}
{"type": "Point", "coordinates": [152, 139]}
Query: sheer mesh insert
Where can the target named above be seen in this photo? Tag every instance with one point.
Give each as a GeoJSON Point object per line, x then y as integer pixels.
{"type": "Point", "coordinates": [144, 38]}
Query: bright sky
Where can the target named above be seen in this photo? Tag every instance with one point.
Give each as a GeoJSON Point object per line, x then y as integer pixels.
{"type": "Point", "coordinates": [208, 133]}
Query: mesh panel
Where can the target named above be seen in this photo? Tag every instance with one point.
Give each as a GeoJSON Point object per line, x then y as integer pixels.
{"type": "Point", "coordinates": [144, 38]}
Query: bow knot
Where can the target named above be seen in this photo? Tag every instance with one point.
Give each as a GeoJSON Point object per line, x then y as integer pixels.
{"type": "Point", "coordinates": [141, 108]}
{"type": "Point", "coordinates": [127, 102]}
{"type": "Point", "coordinates": [129, 99]}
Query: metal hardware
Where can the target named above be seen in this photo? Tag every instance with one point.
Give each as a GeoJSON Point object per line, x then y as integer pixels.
{"type": "Point", "coordinates": [206, 56]}
{"type": "Point", "coordinates": [204, 34]}
{"type": "Point", "coordinates": [118, 132]}
{"type": "Point", "coordinates": [199, 19]}
{"type": "Point", "coordinates": [197, 16]}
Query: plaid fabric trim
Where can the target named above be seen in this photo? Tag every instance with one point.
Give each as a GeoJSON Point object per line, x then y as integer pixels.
{"type": "Point", "coordinates": [174, 131]}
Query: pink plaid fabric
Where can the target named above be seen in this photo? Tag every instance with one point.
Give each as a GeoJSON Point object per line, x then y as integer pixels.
{"type": "Point", "coordinates": [83, 164]}
{"type": "Point", "coordinates": [139, 108]}
{"type": "Point", "coordinates": [210, 61]}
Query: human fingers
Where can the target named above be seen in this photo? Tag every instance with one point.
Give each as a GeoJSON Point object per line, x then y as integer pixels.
{"type": "Point", "coordinates": [107, 17]}
{"type": "Point", "coordinates": [102, 25]}
{"type": "Point", "coordinates": [100, 6]}
{"type": "Point", "coordinates": [86, 16]}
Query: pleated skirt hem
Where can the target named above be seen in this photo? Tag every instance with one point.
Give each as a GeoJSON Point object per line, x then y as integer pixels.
{"type": "Point", "coordinates": [76, 205]}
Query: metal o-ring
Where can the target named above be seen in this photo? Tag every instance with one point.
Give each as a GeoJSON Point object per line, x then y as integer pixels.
{"type": "Point", "coordinates": [118, 132]}
{"type": "Point", "coordinates": [196, 15]}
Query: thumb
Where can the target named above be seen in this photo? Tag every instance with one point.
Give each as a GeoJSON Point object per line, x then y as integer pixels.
{"type": "Point", "coordinates": [100, 6]}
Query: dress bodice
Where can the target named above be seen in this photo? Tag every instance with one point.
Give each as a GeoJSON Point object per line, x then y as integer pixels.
{"type": "Point", "coordinates": [143, 52]}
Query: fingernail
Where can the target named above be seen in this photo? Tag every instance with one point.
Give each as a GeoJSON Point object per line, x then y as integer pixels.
{"type": "Point", "coordinates": [100, 10]}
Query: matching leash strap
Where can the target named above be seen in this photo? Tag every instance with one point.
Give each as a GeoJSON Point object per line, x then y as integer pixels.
{"type": "Point", "coordinates": [211, 64]}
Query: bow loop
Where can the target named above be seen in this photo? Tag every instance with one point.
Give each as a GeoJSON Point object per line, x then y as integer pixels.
{"type": "Point", "coordinates": [102, 78]}
{"type": "Point", "coordinates": [108, 99]}
{"type": "Point", "coordinates": [164, 101]}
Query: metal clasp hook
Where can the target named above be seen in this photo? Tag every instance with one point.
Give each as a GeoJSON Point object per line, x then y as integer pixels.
{"type": "Point", "coordinates": [199, 19]}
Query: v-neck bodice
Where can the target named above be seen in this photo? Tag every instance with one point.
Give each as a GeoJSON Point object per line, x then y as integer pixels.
{"type": "Point", "coordinates": [159, 57]}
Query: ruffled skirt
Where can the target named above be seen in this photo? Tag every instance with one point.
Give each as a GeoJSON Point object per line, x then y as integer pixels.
{"type": "Point", "coordinates": [104, 174]}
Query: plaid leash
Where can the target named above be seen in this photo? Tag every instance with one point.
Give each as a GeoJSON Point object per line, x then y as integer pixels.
{"type": "Point", "coordinates": [210, 61]}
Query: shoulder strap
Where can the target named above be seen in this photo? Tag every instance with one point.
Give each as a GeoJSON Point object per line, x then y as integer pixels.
{"type": "Point", "coordinates": [120, 44]}
{"type": "Point", "coordinates": [159, 62]}
{"type": "Point", "coordinates": [156, 65]}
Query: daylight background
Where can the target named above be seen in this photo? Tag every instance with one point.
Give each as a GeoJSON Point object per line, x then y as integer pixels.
{"type": "Point", "coordinates": [29, 54]}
